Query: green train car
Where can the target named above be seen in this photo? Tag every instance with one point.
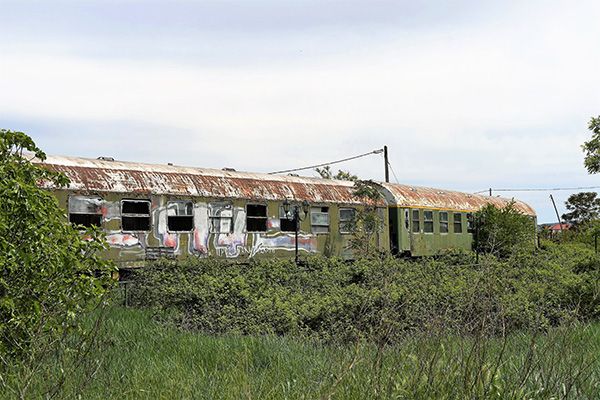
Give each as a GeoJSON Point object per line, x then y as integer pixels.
{"type": "Point", "coordinates": [150, 211]}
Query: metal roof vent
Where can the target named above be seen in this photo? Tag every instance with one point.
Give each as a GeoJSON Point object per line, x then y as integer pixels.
{"type": "Point", "coordinates": [228, 169]}
{"type": "Point", "coordinates": [103, 158]}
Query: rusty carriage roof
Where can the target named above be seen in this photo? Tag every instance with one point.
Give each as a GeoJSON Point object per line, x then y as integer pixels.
{"type": "Point", "coordinates": [430, 198]}
{"type": "Point", "coordinates": [96, 175]}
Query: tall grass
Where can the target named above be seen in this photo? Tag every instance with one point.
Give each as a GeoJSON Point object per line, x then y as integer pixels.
{"type": "Point", "coordinates": [141, 359]}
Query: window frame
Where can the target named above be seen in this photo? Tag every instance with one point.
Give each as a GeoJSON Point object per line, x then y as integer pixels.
{"type": "Point", "coordinates": [212, 217]}
{"type": "Point", "coordinates": [312, 225]}
{"type": "Point", "coordinates": [418, 221]}
{"type": "Point", "coordinates": [98, 214]}
{"type": "Point", "coordinates": [459, 222]}
{"type": "Point", "coordinates": [136, 215]}
{"type": "Point", "coordinates": [470, 223]}
{"type": "Point", "coordinates": [191, 215]}
{"type": "Point", "coordinates": [428, 221]}
{"type": "Point", "coordinates": [442, 223]}
{"type": "Point", "coordinates": [344, 222]}
{"type": "Point", "coordinates": [253, 217]}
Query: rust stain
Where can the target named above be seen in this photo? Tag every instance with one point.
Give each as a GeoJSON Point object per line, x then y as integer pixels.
{"type": "Point", "coordinates": [126, 177]}
{"type": "Point", "coordinates": [424, 197]}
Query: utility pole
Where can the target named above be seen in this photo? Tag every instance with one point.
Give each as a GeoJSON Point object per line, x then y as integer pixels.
{"type": "Point", "coordinates": [556, 211]}
{"type": "Point", "coordinates": [385, 159]}
{"type": "Point", "coordinates": [490, 192]}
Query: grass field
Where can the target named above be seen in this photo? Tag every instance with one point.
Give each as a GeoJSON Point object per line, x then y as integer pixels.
{"type": "Point", "coordinates": [140, 359]}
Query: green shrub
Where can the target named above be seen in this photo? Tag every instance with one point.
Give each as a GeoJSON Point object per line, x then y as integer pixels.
{"type": "Point", "coordinates": [379, 299]}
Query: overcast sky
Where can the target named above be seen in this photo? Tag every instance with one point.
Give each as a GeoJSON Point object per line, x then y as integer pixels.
{"type": "Point", "coordinates": [466, 94]}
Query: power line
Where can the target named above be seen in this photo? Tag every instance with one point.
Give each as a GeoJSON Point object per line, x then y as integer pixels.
{"type": "Point", "coordinates": [538, 189]}
{"type": "Point", "coordinates": [378, 151]}
{"type": "Point", "coordinates": [393, 173]}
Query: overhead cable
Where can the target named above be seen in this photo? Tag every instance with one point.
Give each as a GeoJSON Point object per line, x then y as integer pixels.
{"type": "Point", "coordinates": [378, 151]}
{"type": "Point", "coordinates": [538, 189]}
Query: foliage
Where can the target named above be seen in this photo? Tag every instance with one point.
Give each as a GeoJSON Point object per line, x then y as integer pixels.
{"type": "Point", "coordinates": [382, 299]}
{"type": "Point", "coordinates": [592, 147]}
{"type": "Point", "coordinates": [150, 360]}
{"type": "Point", "coordinates": [503, 231]}
{"type": "Point", "coordinates": [49, 274]}
{"type": "Point", "coordinates": [583, 208]}
{"type": "Point", "coordinates": [327, 173]}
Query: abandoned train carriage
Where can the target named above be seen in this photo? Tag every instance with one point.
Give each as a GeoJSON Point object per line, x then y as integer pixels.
{"type": "Point", "coordinates": [150, 211]}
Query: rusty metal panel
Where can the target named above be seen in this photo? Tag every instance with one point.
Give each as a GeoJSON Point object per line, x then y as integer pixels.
{"type": "Point", "coordinates": [127, 177]}
{"type": "Point", "coordinates": [424, 197]}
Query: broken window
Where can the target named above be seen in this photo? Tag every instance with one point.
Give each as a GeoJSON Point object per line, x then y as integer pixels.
{"type": "Point", "coordinates": [319, 219]}
{"type": "Point", "coordinates": [347, 219]}
{"type": "Point", "coordinates": [135, 215]}
{"type": "Point", "coordinates": [443, 222]}
{"type": "Point", "coordinates": [85, 210]}
{"type": "Point", "coordinates": [286, 221]}
{"type": "Point", "coordinates": [470, 223]}
{"type": "Point", "coordinates": [428, 221]}
{"type": "Point", "coordinates": [220, 216]}
{"type": "Point", "coordinates": [256, 218]}
{"type": "Point", "coordinates": [416, 221]}
{"type": "Point", "coordinates": [180, 216]}
{"type": "Point", "coordinates": [457, 223]}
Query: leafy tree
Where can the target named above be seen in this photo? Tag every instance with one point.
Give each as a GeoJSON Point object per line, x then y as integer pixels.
{"type": "Point", "coordinates": [592, 148]}
{"type": "Point", "coordinates": [584, 207]}
{"type": "Point", "coordinates": [50, 274]}
{"type": "Point", "coordinates": [327, 173]}
{"type": "Point", "coordinates": [503, 231]}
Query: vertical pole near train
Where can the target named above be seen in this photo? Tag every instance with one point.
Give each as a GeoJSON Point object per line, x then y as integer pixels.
{"type": "Point", "coordinates": [556, 211]}
{"type": "Point", "coordinates": [297, 228]}
{"type": "Point", "coordinates": [490, 192]}
{"type": "Point", "coordinates": [385, 160]}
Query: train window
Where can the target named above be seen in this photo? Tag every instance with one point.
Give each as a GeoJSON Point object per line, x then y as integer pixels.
{"type": "Point", "coordinates": [457, 223]}
{"type": "Point", "coordinates": [85, 210]}
{"type": "Point", "coordinates": [428, 221]}
{"type": "Point", "coordinates": [406, 220]}
{"type": "Point", "coordinates": [135, 215]}
{"type": "Point", "coordinates": [256, 218]}
{"type": "Point", "coordinates": [347, 218]}
{"type": "Point", "coordinates": [470, 223]}
{"type": "Point", "coordinates": [416, 221]}
{"type": "Point", "coordinates": [286, 222]}
{"type": "Point", "coordinates": [180, 216]}
{"type": "Point", "coordinates": [443, 222]}
{"type": "Point", "coordinates": [319, 219]}
{"type": "Point", "coordinates": [220, 216]}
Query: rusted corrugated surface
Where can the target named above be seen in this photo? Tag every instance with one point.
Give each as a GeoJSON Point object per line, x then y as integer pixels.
{"type": "Point", "coordinates": [424, 197]}
{"type": "Point", "coordinates": [127, 177]}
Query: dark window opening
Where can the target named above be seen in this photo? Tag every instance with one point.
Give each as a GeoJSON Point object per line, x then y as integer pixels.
{"type": "Point", "coordinates": [135, 223]}
{"type": "Point", "coordinates": [85, 219]}
{"type": "Point", "coordinates": [180, 216]}
{"type": "Point", "coordinates": [256, 218]}
{"type": "Point", "coordinates": [428, 221]}
{"type": "Point", "coordinates": [135, 207]}
{"type": "Point", "coordinates": [443, 222]}
{"type": "Point", "coordinates": [286, 222]}
{"type": "Point", "coordinates": [85, 210]}
{"type": "Point", "coordinates": [457, 223]}
{"type": "Point", "coordinates": [470, 223]}
{"type": "Point", "coordinates": [135, 215]}
{"type": "Point", "coordinates": [416, 221]}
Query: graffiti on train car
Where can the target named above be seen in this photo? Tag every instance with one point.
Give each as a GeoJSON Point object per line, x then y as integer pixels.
{"type": "Point", "coordinates": [218, 228]}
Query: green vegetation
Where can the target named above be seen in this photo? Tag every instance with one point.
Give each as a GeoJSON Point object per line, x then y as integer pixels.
{"type": "Point", "coordinates": [50, 276]}
{"type": "Point", "coordinates": [142, 359]}
{"type": "Point", "coordinates": [592, 147]}
{"type": "Point", "coordinates": [380, 299]}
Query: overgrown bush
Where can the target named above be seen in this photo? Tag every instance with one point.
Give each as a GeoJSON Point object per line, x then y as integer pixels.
{"type": "Point", "coordinates": [50, 275]}
{"type": "Point", "coordinates": [380, 299]}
